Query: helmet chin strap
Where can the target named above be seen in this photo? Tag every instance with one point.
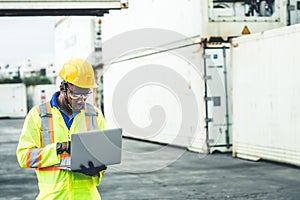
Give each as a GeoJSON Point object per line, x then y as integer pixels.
{"type": "Point", "coordinates": [66, 97]}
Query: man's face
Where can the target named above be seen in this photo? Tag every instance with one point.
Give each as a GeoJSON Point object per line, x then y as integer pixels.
{"type": "Point", "coordinates": [77, 96]}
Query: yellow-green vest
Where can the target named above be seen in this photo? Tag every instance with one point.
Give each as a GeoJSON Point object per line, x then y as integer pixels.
{"type": "Point", "coordinates": [44, 126]}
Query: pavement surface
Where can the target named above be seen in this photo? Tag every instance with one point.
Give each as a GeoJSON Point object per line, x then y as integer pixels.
{"type": "Point", "coordinates": [153, 171]}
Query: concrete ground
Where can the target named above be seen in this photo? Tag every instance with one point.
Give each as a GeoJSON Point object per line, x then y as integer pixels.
{"type": "Point", "coordinates": [153, 171]}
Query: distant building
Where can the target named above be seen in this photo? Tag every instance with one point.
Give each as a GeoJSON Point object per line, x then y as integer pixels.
{"type": "Point", "coordinates": [9, 72]}
{"type": "Point", "coordinates": [51, 73]}
{"type": "Point", "coordinates": [28, 70]}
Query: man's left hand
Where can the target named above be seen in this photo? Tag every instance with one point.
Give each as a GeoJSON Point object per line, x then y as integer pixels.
{"type": "Point", "coordinates": [91, 170]}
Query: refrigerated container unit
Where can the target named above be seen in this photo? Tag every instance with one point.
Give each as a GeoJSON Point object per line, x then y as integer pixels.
{"type": "Point", "coordinates": [13, 102]}
{"type": "Point", "coordinates": [265, 95]}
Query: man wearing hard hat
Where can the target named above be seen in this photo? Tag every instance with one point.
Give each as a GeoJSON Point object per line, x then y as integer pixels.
{"type": "Point", "coordinates": [44, 141]}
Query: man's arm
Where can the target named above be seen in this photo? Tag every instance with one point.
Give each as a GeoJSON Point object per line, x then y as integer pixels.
{"type": "Point", "coordinates": [30, 153]}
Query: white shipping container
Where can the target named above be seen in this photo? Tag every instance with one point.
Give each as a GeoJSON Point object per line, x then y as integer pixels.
{"type": "Point", "coordinates": [13, 100]}
{"type": "Point", "coordinates": [148, 92]}
{"type": "Point", "coordinates": [40, 93]}
{"type": "Point", "coordinates": [229, 18]}
{"type": "Point", "coordinates": [265, 95]}
{"type": "Point", "coordinates": [160, 96]}
{"type": "Point", "coordinates": [207, 18]}
{"type": "Point", "coordinates": [148, 27]}
{"type": "Point", "coordinates": [52, 4]}
{"type": "Point", "coordinates": [74, 37]}
{"type": "Point", "coordinates": [80, 37]}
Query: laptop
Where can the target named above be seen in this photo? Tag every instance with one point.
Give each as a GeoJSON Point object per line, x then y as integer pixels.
{"type": "Point", "coordinates": [102, 147]}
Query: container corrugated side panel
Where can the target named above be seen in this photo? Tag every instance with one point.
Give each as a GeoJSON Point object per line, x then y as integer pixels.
{"type": "Point", "coordinates": [13, 100]}
{"type": "Point", "coordinates": [265, 95]}
{"type": "Point", "coordinates": [150, 95]}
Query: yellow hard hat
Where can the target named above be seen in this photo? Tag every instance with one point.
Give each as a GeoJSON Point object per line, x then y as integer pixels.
{"type": "Point", "coordinates": [78, 72]}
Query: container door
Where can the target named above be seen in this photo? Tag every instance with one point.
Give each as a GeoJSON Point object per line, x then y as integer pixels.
{"type": "Point", "coordinates": [294, 12]}
{"type": "Point", "coordinates": [216, 63]}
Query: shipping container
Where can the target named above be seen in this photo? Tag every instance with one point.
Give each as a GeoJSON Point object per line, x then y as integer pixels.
{"type": "Point", "coordinates": [39, 94]}
{"type": "Point", "coordinates": [187, 42]}
{"type": "Point", "coordinates": [13, 100]}
{"type": "Point", "coordinates": [172, 38]}
{"type": "Point", "coordinates": [228, 18]}
{"type": "Point", "coordinates": [59, 8]}
{"type": "Point", "coordinates": [80, 37]}
{"type": "Point", "coordinates": [77, 37]}
{"type": "Point", "coordinates": [209, 18]}
{"type": "Point", "coordinates": [172, 94]}
{"type": "Point", "coordinates": [265, 95]}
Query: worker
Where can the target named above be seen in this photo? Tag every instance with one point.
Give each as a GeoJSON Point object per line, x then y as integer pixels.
{"type": "Point", "coordinates": [45, 139]}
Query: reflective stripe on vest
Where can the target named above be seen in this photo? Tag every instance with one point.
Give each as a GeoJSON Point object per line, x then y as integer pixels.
{"type": "Point", "coordinates": [65, 160]}
{"type": "Point", "coordinates": [33, 159]}
{"type": "Point", "coordinates": [91, 117]}
{"type": "Point", "coordinates": [47, 123]}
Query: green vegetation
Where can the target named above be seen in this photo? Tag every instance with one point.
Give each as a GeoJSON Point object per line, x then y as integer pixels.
{"type": "Point", "coordinates": [7, 80]}
{"type": "Point", "coordinates": [33, 80]}
{"type": "Point", "coordinates": [36, 80]}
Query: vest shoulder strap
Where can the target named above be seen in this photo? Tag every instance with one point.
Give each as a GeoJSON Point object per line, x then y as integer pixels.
{"type": "Point", "coordinates": [45, 112]}
{"type": "Point", "coordinates": [91, 117]}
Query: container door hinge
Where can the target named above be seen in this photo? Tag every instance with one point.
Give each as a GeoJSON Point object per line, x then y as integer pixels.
{"type": "Point", "coordinates": [208, 119]}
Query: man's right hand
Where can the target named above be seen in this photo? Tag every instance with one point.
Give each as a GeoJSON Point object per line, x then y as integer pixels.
{"type": "Point", "coordinates": [63, 146]}
{"type": "Point", "coordinates": [68, 147]}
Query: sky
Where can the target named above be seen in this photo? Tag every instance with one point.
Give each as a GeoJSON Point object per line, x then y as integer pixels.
{"type": "Point", "coordinates": [23, 38]}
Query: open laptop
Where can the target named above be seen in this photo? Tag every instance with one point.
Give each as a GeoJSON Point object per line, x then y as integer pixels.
{"type": "Point", "coordinates": [102, 147]}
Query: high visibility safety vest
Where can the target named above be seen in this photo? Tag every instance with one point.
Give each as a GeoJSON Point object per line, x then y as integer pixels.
{"type": "Point", "coordinates": [43, 127]}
